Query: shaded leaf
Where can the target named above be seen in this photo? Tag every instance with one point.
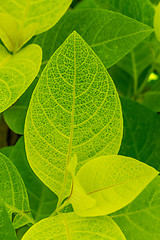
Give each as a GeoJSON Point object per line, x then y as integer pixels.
{"type": "Point", "coordinates": [70, 226]}
{"type": "Point", "coordinates": [42, 201]}
{"type": "Point", "coordinates": [141, 138]}
{"type": "Point", "coordinates": [110, 34]}
{"type": "Point", "coordinates": [108, 183]}
{"type": "Point", "coordinates": [13, 193]}
{"type": "Point", "coordinates": [74, 109]}
{"type": "Point", "coordinates": [6, 227]}
{"type": "Point", "coordinates": [17, 72]}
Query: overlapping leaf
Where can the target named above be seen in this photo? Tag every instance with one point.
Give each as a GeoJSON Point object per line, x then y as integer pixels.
{"type": "Point", "coordinates": [6, 227]}
{"type": "Point", "coordinates": [110, 34]}
{"type": "Point", "coordinates": [74, 109]}
{"type": "Point", "coordinates": [17, 72]}
{"type": "Point", "coordinates": [20, 20]}
{"type": "Point", "coordinates": [157, 22]}
{"type": "Point", "coordinates": [108, 183]}
{"type": "Point", "coordinates": [70, 226]}
{"type": "Point", "coordinates": [42, 201]}
{"type": "Point", "coordinates": [13, 193]}
{"type": "Point", "coordinates": [141, 219]}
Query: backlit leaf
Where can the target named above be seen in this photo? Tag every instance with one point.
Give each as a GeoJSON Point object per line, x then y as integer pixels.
{"type": "Point", "coordinates": [70, 226]}
{"type": "Point", "coordinates": [42, 200]}
{"type": "Point", "coordinates": [13, 193]}
{"type": "Point", "coordinates": [74, 109]}
{"type": "Point", "coordinates": [111, 181]}
{"type": "Point", "coordinates": [141, 219]}
{"type": "Point", "coordinates": [17, 72]}
{"type": "Point", "coordinates": [157, 22]}
{"type": "Point", "coordinates": [21, 19]}
{"type": "Point", "coordinates": [6, 227]}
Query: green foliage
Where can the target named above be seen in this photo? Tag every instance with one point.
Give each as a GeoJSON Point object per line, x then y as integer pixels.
{"type": "Point", "coordinates": [111, 181]}
{"type": "Point", "coordinates": [42, 200]}
{"type": "Point", "coordinates": [20, 20]}
{"type": "Point", "coordinates": [76, 163]}
{"type": "Point", "coordinates": [13, 193]}
{"type": "Point", "coordinates": [77, 111]}
{"type": "Point", "coordinates": [6, 227]}
{"type": "Point", "coordinates": [70, 226]}
{"type": "Point", "coordinates": [17, 72]}
{"type": "Point", "coordinates": [141, 219]}
{"type": "Point", "coordinates": [110, 34]}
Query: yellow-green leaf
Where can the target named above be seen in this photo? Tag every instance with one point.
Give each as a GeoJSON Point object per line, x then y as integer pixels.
{"type": "Point", "coordinates": [13, 193]}
{"type": "Point", "coordinates": [112, 182]}
{"type": "Point", "coordinates": [74, 109]}
{"type": "Point", "coordinates": [70, 226]}
{"type": "Point", "coordinates": [21, 19]}
{"type": "Point", "coordinates": [157, 22]}
{"type": "Point", "coordinates": [17, 72]}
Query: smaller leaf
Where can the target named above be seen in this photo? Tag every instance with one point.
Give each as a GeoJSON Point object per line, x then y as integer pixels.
{"type": "Point", "coordinates": [13, 193]}
{"type": "Point", "coordinates": [157, 22]}
{"type": "Point", "coordinates": [111, 181]}
{"type": "Point", "coordinates": [17, 72]}
{"type": "Point", "coordinates": [70, 226]}
{"type": "Point", "coordinates": [6, 228]}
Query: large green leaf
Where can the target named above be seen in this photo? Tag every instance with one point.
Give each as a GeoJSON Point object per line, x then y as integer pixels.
{"type": "Point", "coordinates": [141, 10]}
{"type": "Point", "coordinates": [108, 183]}
{"type": "Point", "coordinates": [42, 201]}
{"type": "Point", "coordinates": [74, 109]}
{"type": "Point", "coordinates": [6, 227]}
{"type": "Point", "coordinates": [141, 138]}
{"type": "Point", "coordinates": [16, 114]}
{"type": "Point", "coordinates": [70, 226]}
{"type": "Point", "coordinates": [157, 22]}
{"type": "Point", "coordinates": [110, 34]}
{"type": "Point", "coordinates": [21, 19]}
{"type": "Point", "coordinates": [13, 193]}
{"type": "Point", "coordinates": [17, 72]}
{"type": "Point", "coordinates": [141, 219]}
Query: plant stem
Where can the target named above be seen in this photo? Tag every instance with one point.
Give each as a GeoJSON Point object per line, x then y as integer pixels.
{"type": "Point", "coordinates": [66, 203]}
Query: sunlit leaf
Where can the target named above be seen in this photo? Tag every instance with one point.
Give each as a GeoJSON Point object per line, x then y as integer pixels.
{"type": "Point", "coordinates": [141, 219]}
{"type": "Point", "coordinates": [17, 72]}
{"type": "Point", "coordinates": [42, 200]}
{"type": "Point", "coordinates": [157, 22]}
{"type": "Point", "coordinates": [70, 226]}
{"type": "Point", "coordinates": [111, 181]}
{"type": "Point", "coordinates": [74, 109]}
{"type": "Point", "coordinates": [21, 19]}
{"type": "Point", "coordinates": [13, 193]}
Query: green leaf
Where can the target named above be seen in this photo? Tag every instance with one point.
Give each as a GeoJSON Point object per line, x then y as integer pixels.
{"type": "Point", "coordinates": [20, 20]}
{"type": "Point", "coordinates": [74, 109]}
{"type": "Point", "coordinates": [141, 219]}
{"type": "Point", "coordinates": [111, 182]}
{"type": "Point", "coordinates": [70, 226]}
{"type": "Point", "coordinates": [17, 72]}
{"type": "Point", "coordinates": [141, 137]}
{"type": "Point", "coordinates": [42, 201]}
{"type": "Point", "coordinates": [110, 34]}
{"type": "Point", "coordinates": [13, 193]}
{"type": "Point", "coordinates": [6, 227]}
{"type": "Point", "coordinates": [16, 114]}
{"type": "Point", "coordinates": [6, 150]}
{"type": "Point", "coordinates": [157, 22]}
